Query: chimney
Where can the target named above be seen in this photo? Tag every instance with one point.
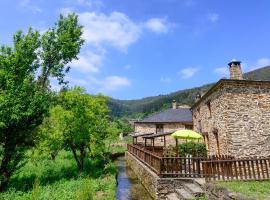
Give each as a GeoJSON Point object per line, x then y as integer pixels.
{"type": "Point", "coordinates": [174, 106]}
{"type": "Point", "coordinates": [198, 97]}
{"type": "Point", "coordinates": [235, 70]}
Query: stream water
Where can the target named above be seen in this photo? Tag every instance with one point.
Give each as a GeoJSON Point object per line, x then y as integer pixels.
{"type": "Point", "coordinates": [128, 186]}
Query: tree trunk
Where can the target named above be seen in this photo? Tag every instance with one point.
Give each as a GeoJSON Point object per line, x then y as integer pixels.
{"type": "Point", "coordinates": [5, 168]}
{"type": "Point", "coordinates": [79, 164]}
{"type": "Point", "coordinates": [82, 155]}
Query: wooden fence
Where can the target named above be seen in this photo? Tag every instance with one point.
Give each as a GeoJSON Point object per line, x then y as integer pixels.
{"type": "Point", "coordinates": [240, 169]}
{"type": "Point", "coordinates": [223, 168]}
{"type": "Point", "coordinates": [147, 157]}
{"type": "Point", "coordinates": [171, 166]}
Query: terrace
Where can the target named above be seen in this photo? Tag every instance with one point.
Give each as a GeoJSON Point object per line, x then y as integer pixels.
{"type": "Point", "coordinates": [218, 167]}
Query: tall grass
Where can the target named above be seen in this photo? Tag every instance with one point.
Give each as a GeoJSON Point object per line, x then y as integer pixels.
{"type": "Point", "coordinates": [60, 179]}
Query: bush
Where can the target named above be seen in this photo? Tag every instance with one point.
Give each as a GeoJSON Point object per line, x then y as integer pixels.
{"type": "Point", "coordinates": [194, 149]}
{"type": "Point", "coordinates": [61, 179]}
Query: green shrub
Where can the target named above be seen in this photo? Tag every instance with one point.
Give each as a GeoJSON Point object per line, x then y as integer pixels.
{"type": "Point", "coordinates": [194, 149]}
{"type": "Point", "coordinates": [60, 179]}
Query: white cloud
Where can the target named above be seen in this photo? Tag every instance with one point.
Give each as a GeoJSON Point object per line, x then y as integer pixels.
{"type": "Point", "coordinates": [88, 61]}
{"type": "Point", "coordinates": [222, 71]}
{"type": "Point", "coordinates": [115, 29]}
{"type": "Point", "coordinates": [109, 83]}
{"type": "Point", "coordinates": [213, 17]}
{"type": "Point", "coordinates": [77, 81]}
{"type": "Point", "coordinates": [90, 3]}
{"type": "Point", "coordinates": [165, 79]}
{"type": "Point", "coordinates": [28, 5]}
{"type": "Point", "coordinates": [127, 67]}
{"type": "Point", "coordinates": [113, 83]}
{"type": "Point", "coordinates": [158, 25]}
{"type": "Point", "coordinates": [188, 72]}
{"type": "Point", "coordinates": [262, 62]}
{"type": "Point", "coordinates": [66, 11]}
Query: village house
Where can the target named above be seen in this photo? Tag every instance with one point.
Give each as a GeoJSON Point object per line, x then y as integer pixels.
{"type": "Point", "coordinates": [234, 116]}
{"type": "Point", "coordinates": [167, 121]}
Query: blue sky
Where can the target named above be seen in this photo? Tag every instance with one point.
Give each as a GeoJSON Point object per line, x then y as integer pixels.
{"type": "Point", "coordinates": [139, 48]}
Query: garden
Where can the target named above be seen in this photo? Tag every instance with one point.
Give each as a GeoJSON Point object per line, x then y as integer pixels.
{"type": "Point", "coordinates": [53, 144]}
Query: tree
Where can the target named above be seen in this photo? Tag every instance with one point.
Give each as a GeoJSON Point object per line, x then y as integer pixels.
{"type": "Point", "coordinates": [25, 96]}
{"type": "Point", "coordinates": [80, 123]}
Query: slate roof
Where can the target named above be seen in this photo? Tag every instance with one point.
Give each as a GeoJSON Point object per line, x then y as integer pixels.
{"type": "Point", "coordinates": [169, 115]}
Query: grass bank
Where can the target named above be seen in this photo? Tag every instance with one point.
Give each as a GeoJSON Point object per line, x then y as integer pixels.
{"type": "Point", "coordinates": [60, 179]}
{"type": "Point", "coordinates": [255, 189]}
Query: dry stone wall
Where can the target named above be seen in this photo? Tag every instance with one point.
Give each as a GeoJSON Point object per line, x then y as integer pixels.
{"type": "Point", "coordinates": [240, 114]}
{"type": "Point", "coordinates": [151, 128]}
{"type": "Point", "coordinates": [157, 187]}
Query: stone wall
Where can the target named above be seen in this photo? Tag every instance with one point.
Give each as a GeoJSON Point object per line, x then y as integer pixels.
{"type": "Point", "coordinates": [145, 175]}
{"type": "Point", "coordinates": [144, 127]}
{"type": "Point", "coordinates": [216, 192]}
{"type": "Point", "coordinates": [151, 128]}
{"type": "Point", "coordinates": [240, 113]}
{"type": "Point", "coordinates": [157, 187]}
{"type": "Point", "coordinates": [210, 116]}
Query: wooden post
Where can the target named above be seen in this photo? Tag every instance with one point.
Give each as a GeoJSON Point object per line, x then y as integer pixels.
{"type": "Point", "coordinates": [176, 144]}
{"type": "Point", "coordinates": [164, 141]}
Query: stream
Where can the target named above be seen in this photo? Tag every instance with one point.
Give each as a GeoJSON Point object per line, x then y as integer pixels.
{"type": "Point", "coordinates": [128, 186]}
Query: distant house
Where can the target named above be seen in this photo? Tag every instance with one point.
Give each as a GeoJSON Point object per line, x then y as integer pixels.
{"type": "Point", "coordinates": [234, 116]}
{"type": "Point", "coordinates": [167, 121]}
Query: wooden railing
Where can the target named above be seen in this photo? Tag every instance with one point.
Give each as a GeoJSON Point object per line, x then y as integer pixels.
{"type": "Point", "coordinates": [168, 166]}
{"type": "Point", "coordinates": [223, 168]}
{"type": "Point", "coordinates": [150, 159]}
{"type": "Point", "coordinates": [240, 169]}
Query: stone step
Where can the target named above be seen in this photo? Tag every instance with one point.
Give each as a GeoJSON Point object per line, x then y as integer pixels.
{"type": "Point", "coordinates": [184, 194]}
{"type": "Point", "coordinates": [194, 189]}
{"type": "Point", "coordinates": [199, 181]}
{"type": "Point", "coordinates": [172, 196]}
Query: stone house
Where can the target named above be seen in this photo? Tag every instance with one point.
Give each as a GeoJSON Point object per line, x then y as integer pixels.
{"type": "Point", "coordinates": [167, 121]}
{"type": "Point", "coordinates": [234, 116]}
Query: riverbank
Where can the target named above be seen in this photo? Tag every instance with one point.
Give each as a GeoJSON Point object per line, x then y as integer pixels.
{"type": "Point", "coordinates": [128, 185]}
{"type": "Point", "coordinates": [61, 180]}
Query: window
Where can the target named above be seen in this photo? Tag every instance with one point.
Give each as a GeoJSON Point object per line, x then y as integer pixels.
{"type": "Point", "coordinates": [206, 140]}
{"type": "Point", "coordinates": [159, 128]}
{"type": "Point", "coordinates": [217, 141]}
{"type": "Point", "coordinates": [209, 108]}
{"type": "Point", "coordinates": [190, 127]}
{"type": "Point", "coordinates": [200, 126]}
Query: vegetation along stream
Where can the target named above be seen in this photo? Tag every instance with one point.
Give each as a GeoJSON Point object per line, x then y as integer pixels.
{"type": "Point", "coordinates": [128, 186]}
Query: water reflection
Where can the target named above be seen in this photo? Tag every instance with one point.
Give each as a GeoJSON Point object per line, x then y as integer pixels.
{"type": "Point", "coordinates": [128, 186]}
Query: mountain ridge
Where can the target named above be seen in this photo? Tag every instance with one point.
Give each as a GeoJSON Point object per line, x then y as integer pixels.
{"type": "Point", "coordinates": [139, 108]}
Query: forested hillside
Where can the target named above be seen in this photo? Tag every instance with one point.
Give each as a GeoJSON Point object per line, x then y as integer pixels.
{"type": "Point", "coordinates": [141, 107]}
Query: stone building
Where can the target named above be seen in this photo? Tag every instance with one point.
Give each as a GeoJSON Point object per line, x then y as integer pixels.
{"type": "Point", "coordinates": [234, 116]}
{"type": "Point", "coordinates": [167, 121]}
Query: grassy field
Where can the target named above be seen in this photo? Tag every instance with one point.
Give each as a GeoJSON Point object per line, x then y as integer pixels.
{"type": "Point", "coordinates": [256, 189]}
{"type": "Point", "coordinates": [60, 179]}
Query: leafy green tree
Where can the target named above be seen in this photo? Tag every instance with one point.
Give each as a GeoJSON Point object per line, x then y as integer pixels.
{"type": "Point", "coordinates": [123, 125]}
{"type": "Point", "coordinates": [50, 133]}
{"type": "Point", "coordinates": [25, 96]}
{"type": "Point", "coordinates": [80, 123]}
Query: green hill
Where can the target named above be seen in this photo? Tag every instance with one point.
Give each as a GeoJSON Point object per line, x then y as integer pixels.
{"type": "Point", "coordinates": [141, 107]}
